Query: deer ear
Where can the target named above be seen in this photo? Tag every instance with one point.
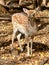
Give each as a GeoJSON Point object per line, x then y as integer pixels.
{"type": "Point", "coordinates": [26, 11]}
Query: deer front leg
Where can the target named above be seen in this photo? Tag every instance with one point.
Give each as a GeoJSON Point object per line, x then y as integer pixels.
{"type": "Point", "coordinates": [31, 46]}
{"type": "Point", "coordinates": [28, 51]}
{"type": "Point", "coordinates": [18, 37]}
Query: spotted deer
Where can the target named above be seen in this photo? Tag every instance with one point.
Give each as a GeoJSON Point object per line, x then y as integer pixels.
{"type": "Point", "coordinates": [22, 24]}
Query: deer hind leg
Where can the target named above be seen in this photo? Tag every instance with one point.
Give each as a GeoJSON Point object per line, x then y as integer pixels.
{"type": "Point", "coordinates": [13, 36]}
{"type": "Point", "coordinates": [18, 37]}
